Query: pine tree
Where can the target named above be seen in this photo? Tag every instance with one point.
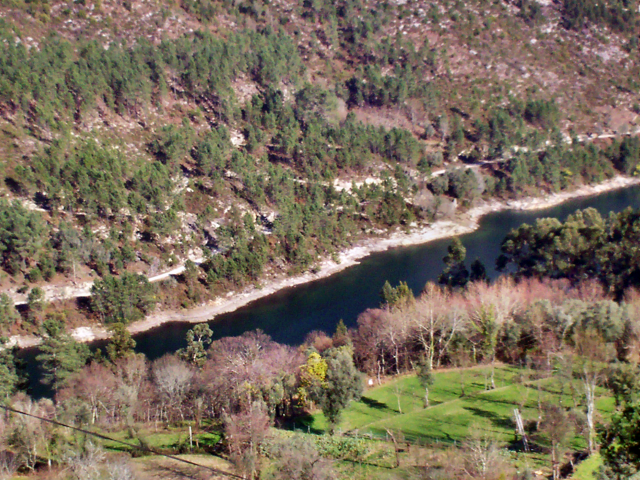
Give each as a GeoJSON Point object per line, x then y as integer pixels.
{"type": "Point", "coordinates": [455, 273]}
{"type": "Point", "coordinates": [121, 344]}
{"type": "Point", "coordinates": [8, 313]}
{"type": "Point", "coordinates": [198, 339]}
{"type": "Point", "coordinates": [61, 356]}
{"type": "Point", "coordinates": [8, 374]}
{"type": "Point", "coordinates": [341, 337]}
{"type": "Point", "coordinates": [478, 272]}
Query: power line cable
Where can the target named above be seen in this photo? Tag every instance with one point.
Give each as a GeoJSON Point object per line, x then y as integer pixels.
{"type": "Point", "coordinates": [131, 445]}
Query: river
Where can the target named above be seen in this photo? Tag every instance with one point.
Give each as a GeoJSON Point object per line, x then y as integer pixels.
{"type": "Point", "coordinates": [289, 315]}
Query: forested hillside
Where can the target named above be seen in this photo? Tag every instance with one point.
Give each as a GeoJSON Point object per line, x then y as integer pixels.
{"type": "Point", "coordinates": [250, 139]}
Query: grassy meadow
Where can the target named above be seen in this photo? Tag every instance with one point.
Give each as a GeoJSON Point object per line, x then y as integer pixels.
{"type": "Point", "coordinates": [397, 407]}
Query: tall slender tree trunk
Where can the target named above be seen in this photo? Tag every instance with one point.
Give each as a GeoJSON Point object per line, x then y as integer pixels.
{"type": "Point", "coordinates": [396, 447]}
{"type": "Point", "coordinates": [554, 462]}
{"type": "Point", "coordinates": [493, 372]}
{"type": "Point", "coordinates": [590, 391]}
{"type": "Point", "coordinates": [432, 345]}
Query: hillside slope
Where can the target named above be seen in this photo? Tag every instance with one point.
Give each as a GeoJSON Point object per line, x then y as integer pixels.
{"type": "Point", "coordinates": [257, 138]}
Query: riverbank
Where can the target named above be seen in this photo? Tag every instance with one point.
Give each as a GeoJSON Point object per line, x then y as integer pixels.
{"type": "Point", "coordinates": [465, 222]}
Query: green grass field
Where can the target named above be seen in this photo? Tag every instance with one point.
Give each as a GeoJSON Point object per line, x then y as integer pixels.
{"type": "Point", "coordinates": [399, 405]}
{"type": "Point", "coordinates": [166, 439]}
{"type": "Point", "coordinates": [587, 470]}
{"type": "Point", "coordinates": [451, 418]}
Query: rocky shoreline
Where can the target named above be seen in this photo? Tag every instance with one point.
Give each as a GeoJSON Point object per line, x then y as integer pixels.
{"type": "Point", "coordinates": [467, 222]}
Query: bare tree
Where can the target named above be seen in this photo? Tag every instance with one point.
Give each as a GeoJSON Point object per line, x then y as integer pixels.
{"type": "Point", "coordinates": [131, 374]}
{"type": "Point", "coordinates": [557, 427]}
{"type": "Point", "coordinates": [85, 464]}
{"type": "Point", "coordinates": [8, 465]}
{"type": "Point", "coordinates": [247, 368]}
{"type": "Point", "coordinates": [119, 469]}
{"type": "Point", "coordinates": [593, 357]}
{"type": "Point", "coordinates": [92, 463]}
{"type": "Point", "coordinates": [428, 317]}
{"type": "Point", "coordinates": [368, 346]}
{"type": "Point", "coordinates": [172, 378]}
{"type": "Point", "coordinates": [318, 340]}
{"type": "Point", "coordinates": [482, 457]}
{"type": "Point", "coordinates": [395, 335]}
{"type": "Point", "coordinates": [297, 458]}
{"type": "Point", "coordinates": [96, 385]}
{"type": "Point", "coordinates": [436, 318]}
{"type": "Point", "coordinates": [29, 437]}
{"type": "Point", "coordinates": [397, 438]}
{"type": "Point", "coordinates": [245, 432]}
{"type": "Point", "coordinates": [492, 306]}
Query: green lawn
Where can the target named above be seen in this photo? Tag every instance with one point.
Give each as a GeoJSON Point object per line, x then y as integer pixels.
{"type": "Point", "coordinates": [166, 439]}
{"type": "Point", "coordinates": [587, 469]}
{"type": "Point", "coordinates": [450, 416]}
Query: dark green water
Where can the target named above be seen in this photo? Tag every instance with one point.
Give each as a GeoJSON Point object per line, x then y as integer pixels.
{"type": "Point", "coordinates": [289, 315]}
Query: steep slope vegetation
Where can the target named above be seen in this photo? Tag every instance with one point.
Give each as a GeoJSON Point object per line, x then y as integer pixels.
{"type": "Point", "coordinates": [259, 137]}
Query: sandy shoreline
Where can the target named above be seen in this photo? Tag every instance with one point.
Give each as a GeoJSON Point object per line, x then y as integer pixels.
{"type": "Point", "coordinates": [466, 222]}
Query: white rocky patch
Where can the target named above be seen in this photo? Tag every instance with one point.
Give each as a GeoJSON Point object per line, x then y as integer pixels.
{"type": "Point", "coordinates": [237, 138]}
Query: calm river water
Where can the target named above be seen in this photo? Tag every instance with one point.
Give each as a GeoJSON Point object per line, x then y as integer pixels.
{"type": "Point", "coordinates": [289, 315]}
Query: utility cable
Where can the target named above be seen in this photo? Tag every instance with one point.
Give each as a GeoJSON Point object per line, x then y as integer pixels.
{"type": "Point", "coordinates": [131, 445]}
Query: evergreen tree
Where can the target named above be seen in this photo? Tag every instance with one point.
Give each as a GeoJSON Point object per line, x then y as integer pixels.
{"type": "Point", "coordinates": [22, 235]}
{"type": "Point", "coordinates": [122, 344]}
{"type": "Point", "coordinates": [8, 313]}
{"type": "Point", "coordinates": [396, 297]}
{"type": "Point", "coordinates": [122, 300]}
{"type": "Point", "coordinates": [620, 442]}
{"type": "Point", "coordinates": [341, 336]}
{"type": "Point", "coordinates": [8, 375]}
{"type": "Point", "coordinates": [342, 384]}
{"type": "Point", "coordinates": [624, 382]}
{"type": "Point", "coordinates": [60, 355]}
{"type": "Point", "coordinates": [198, 339]}
{"type": "Point", "coordinates": [585, 245]}
{"type": "Point", "coordinates": [478, 272]}
{"type": "Point", "coordinates": [455, 273]}
{"type": "Point", "coordinates": [35, 303]}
